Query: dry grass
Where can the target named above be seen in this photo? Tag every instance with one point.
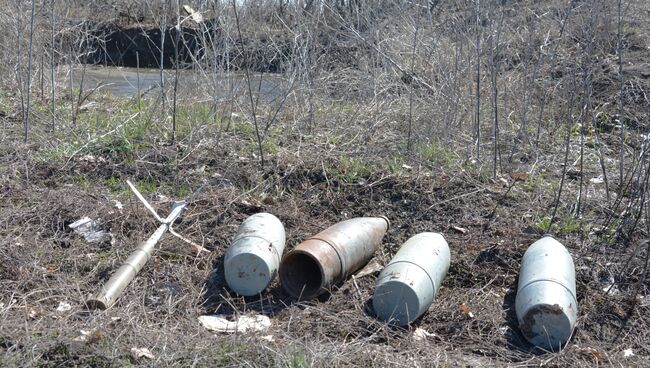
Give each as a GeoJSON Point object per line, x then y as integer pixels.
{"type": "Point", "coordinates": [44, 263]}
{"type": "Point", "coordinates": [349, 161]}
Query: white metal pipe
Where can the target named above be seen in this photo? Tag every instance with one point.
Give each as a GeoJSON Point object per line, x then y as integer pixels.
{"type": "Point", "coordinates": [546, 303]}
{"type": "Point", "coordinates": [252, 260]}
{"type": "Point", "coordinates": [406, 288]}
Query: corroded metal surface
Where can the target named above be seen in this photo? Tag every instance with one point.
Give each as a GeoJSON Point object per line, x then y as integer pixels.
{"type": "Point", "coordinates": [330, 256]}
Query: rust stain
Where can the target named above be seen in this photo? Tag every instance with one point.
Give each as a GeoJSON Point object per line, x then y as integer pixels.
{"type": "Point", "coordinates": [527, 325]}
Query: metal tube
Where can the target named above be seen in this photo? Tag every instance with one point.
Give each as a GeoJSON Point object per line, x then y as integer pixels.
{"type": "Point", "coordinates": [546, 304]}
{"type": "Point", "coordinates": [330, 256]}
{"type": "Point", "coordinates": [252, 260]}
{"type": "Point", "coordinates": [406, 288]}
{"type": "Point", "coordinates": [112, 290]}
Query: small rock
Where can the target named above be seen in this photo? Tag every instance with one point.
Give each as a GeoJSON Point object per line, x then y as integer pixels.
{"type": "Point", "coordinates": [142, 353]}
{"type": "Point", "coordinates": [63, 307]}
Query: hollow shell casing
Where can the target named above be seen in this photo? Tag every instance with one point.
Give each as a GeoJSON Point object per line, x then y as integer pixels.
{"type": "Point", "coordinates": [405, 289]}
{"type": "Point", "coordinates": [330, 256]}
{"type": "Point", "coordinates": [546, 304]}
{"type": "Point", "coordinates": [252, 260]}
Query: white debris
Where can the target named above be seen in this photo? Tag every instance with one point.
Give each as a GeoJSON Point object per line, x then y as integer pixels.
{"type": "Point", "coordinates": [63, 307]}
{"type": "Point", "coordinates": [628, 353]}
{"type": "Point", "coordinates": [142, 353]}
{"type": "Point", "coordinates": [91, 158]}
{"type": "Point", "coordinates": [598, 180]}
{"type": "Point", "coordinates": [268, 338]}
{"type": "Point", "coordinates": [407, 167]}
{"type": "Point", "coordinates": [196, 16]}
{"type": "Point", "coordinates": [90, 230]}
{"type": "Point", "coordinates": [459, 229]}
{"type": "Point", "coordinates": [32, 313]}
{"type": "Point", "coordinates": [220, 323]}
{"type": "Point", "coordinates": [118, 205]}
{"type": "Point", "coordinates": [85, 335]}
{"type": "Point", "coordinates": [421, 334]}
{"type": "Point", "coordinates": [372, 267]}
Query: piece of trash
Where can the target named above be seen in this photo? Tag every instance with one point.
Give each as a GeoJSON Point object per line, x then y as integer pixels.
{"type": "Point", "coordinates": [598, 180]}
{"type": "Point", "coordinates": [63, 307]}
{"type": "Point", "coordinates": [220, 323]}
{"type": "Point", "coordinates": [407, 167]}
{"type": "Point", "coordinates": [142, 353]}
{"type": "Point", "coordinates": [628, 353]}
{"type": "Point", "coordinates": [90, 230]}
{"type": "Point", "coordinates": [118, 205]}
{"type": "Point", "coordinates": [459, 229]}
{"type": "Point", "coordinates": [370, 268]}
{"type": "Point", "coordinates": [421, 334]}
{"type": "Point", "coordinates": [268, 338]}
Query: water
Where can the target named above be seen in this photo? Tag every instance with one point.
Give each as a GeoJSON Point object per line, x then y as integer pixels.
{"type": "Point", "coordinates": [126, 82]}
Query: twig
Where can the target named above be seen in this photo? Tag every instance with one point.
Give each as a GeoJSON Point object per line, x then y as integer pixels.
{"type": "Point", "coordinates": [456, 198]}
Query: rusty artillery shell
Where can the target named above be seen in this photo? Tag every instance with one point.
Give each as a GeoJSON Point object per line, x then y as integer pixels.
{"type": "Point", "coordinates": [253, 258]}
{"type": "Point", "coordinates": [330, 256]}
{"type": "Point", "coordinates": [407, 286]}
{"type": "Point", "coordinates": [546, 302]}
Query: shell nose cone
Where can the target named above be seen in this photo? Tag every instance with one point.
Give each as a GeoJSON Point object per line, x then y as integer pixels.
{"type": "Point", "coordinates": [396, 302]}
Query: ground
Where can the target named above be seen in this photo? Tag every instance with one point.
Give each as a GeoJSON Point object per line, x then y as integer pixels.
{"type": "Point", "coordinates": [340, 146]}
{"type": "Point", "coordinates": [488, 222]}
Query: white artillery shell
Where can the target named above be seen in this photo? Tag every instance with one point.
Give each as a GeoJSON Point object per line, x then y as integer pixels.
{"type": "Point", "coordinates": [253, 258]}
{"type": "Point", "coordinates": [546, 304]}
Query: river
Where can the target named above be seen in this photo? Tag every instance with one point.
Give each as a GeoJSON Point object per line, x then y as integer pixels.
{"type": "Point", "coordinates": [126, 82]}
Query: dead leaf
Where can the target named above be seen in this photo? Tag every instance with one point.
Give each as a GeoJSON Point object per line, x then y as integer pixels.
{"type": "Point", "coordinates": [593, 352]}
{"type": "Point", "coordinates": [142, 353]}
{"type": "Point", "coordinates": [156, 264]}
{"type": "Point", "coordinates": [220, 323]}
{"type": "Point", "coordinates": [519, 175]}
{"type": "Point", "coordinates": [466, 311]}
